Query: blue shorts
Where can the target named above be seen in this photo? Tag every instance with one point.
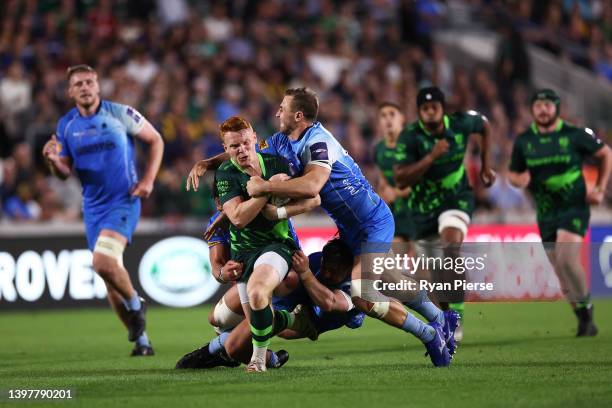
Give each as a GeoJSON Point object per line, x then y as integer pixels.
{"type": "Point", "coordinates": [121, 218]}
{"type": "Point", "coordinates": [375, 235]}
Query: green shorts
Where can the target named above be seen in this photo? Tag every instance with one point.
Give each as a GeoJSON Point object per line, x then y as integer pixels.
{"type": "Point", "coordinates": [248, 258]}
{"type": "Point", "coordinates": [404, 225]}
{"type": "Point", "coordinates": [575, 220]}
{"type": "Point", "coordinates": [426, 224]}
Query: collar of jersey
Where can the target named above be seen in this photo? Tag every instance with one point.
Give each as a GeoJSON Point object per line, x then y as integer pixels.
{"type": "Point", "coordinates": [93, 114]}
{"type": "Point", "coordinates": [534, 127]}
{"type": "Point", "coordinates": [305, 131]}
{"type": "Point", "coordinates": [261, 164]}
{"type": "Point", "coordinates": [427, 132]}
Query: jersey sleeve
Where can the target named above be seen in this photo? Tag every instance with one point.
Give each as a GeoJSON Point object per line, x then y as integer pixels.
{"type": "Point", "coordinates": [269, 145]}
{"type": "Point", "coordinates": [587, 142]}
{"type": "Point", "coordinates": [408, 138]}
{"type": "Point", "coordinates": [130, 118]}
{"type": "Point", "coordinates": [319, 150]}
{"type": "Point", "coordinates": [518, 163]}
{"type": "Point", "coordinates": [474, 121]}
{"type": "Point", "coordinates": [220, 236]}
{"type": "Point", "coordinates": [61, 138]}
{"type": "Point", "coordinates": [227, 186]}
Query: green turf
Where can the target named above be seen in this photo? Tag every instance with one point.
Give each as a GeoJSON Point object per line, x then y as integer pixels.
{"type": "Point", "coordinates": [514, 355]}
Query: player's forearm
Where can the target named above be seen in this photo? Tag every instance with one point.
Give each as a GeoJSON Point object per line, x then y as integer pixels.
{"type": "Point", "coordinates": [301, 187]}
{"type": "Point", "coordinates": [218, 257]}
{"type": "Point", "coordinates": [410, 174]}
{"type": "Point", "coordinates": [246, 211]}
{"type": "Point", "coordinates": [156, 153]}
{"type": "Point", "coordinates": [326, 299]}
{"type": "Point", "coordinates": [485, 146]}
{"type": "Point", "coordinates": [59, 169]}
{"type": "Point", "coordinates": [302, 206]}
{"type": "Point", "coordinates": [213, 163]}
{"type": "Point", "coordinates": [605, 166]}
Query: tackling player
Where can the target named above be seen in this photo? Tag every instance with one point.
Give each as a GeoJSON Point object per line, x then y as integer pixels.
{"type": "Point", "coordinates": [362, 217]}
{"type": "Point", "coordinates": [441, 201]}
{"type": "Point", "coordinates": [320, 304]}
{"type": "Point", "coordinates": [96, 138]}
{"type": "Point", "coordinates": [547, 159]}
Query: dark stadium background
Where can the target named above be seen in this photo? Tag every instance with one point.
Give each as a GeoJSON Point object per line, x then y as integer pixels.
{"type": "Point", "coordinates": [187, 65]}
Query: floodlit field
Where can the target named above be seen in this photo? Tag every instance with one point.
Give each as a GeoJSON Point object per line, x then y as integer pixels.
{"type": "Point", "coordinates": [514, 354]}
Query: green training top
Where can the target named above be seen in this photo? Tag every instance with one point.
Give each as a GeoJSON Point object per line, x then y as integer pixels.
{"type": "Point", "coordinates": [231, 182]}
{"type": "Point", "coordinates": [554, 161]}
{"type": "Point", "coordinates": [446, 177]}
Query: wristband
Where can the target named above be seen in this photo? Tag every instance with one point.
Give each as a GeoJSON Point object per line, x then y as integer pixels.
{"type": "Point", "coordinates": [281, 213]}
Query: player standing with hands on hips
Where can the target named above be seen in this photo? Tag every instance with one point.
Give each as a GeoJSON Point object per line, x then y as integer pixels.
{"type": "Point", "coordinates": [96, 138]}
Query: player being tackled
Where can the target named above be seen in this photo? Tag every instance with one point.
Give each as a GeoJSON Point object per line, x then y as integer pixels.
{"type": "Point", "coordinates": [264, 247]}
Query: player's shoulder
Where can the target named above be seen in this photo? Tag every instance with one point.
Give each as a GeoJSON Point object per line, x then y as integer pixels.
{"type": "Point", "coordinates": [410, 131]}
{"type": "Point", "coordinates": [317, 132]}
{"type": "Point", "coordinates": [67, 118]}
{"type": "Point", "coordinates": [465, 117]}
{"type": "Point", "coordinates": [120, 110]}
{"type": "Point", "coordinates": [571, 128]}
{"type": "Point", "coordinates": [227, 167]}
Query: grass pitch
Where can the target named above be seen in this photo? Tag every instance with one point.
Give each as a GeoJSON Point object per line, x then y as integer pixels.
{"type": "Point", "coordinates": [522, 354]}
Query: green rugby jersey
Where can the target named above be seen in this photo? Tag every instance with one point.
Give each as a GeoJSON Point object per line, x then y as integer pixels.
{"type": "Point", "coordinates": [385, 158]}
{"type": "Point", "coordinates": [554, 161]}
{"type": "Point", "coordinates": [231, 182]}
{"type": "Point", "coordinates": [446, 177]}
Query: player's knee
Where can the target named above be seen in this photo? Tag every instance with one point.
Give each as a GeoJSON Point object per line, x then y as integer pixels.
{"type": "Point", "coordinates": [104, 266]}
{"type": "Point", "coordinates": [258, 296]}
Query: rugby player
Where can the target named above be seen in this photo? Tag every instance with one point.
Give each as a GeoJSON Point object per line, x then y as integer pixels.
{"type": "Point", "coordinates": [362, 217]}
{"type": "Point", "coordinates": [264, 247]}
{"type": "Point", "coordinates": [547, 159]}
{"type": "Point", "coordinates": [96, 138]}
{"type": "Point", "coordinates": [387, 153]}
{"type": "Point", "coordinates": [441, 202]}
{"type": "Point", "coordinates": [320, 303]}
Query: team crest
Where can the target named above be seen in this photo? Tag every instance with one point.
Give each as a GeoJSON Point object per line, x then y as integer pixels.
{"type": "Point", "coordinates": [263, 144]}
{"type": "Point", "coordinates": [564, 142]}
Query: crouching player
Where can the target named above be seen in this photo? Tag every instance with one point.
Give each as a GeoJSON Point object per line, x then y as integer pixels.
{"type": "Point", "coordinates": [320, 303]}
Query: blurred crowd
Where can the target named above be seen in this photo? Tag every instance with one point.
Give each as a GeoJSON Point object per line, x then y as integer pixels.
{"type": "Point", "coordinates": [188, 65]}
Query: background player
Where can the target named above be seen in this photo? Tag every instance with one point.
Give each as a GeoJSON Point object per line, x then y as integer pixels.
{"type": "Point", "coordinates": [387, 153]}
{"type": "Point", "coordinates": [97, 139]}
{"type": "Point", "coordinates": [441, 202]}
{"type": "Point", "coordinates": [547, 158]}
